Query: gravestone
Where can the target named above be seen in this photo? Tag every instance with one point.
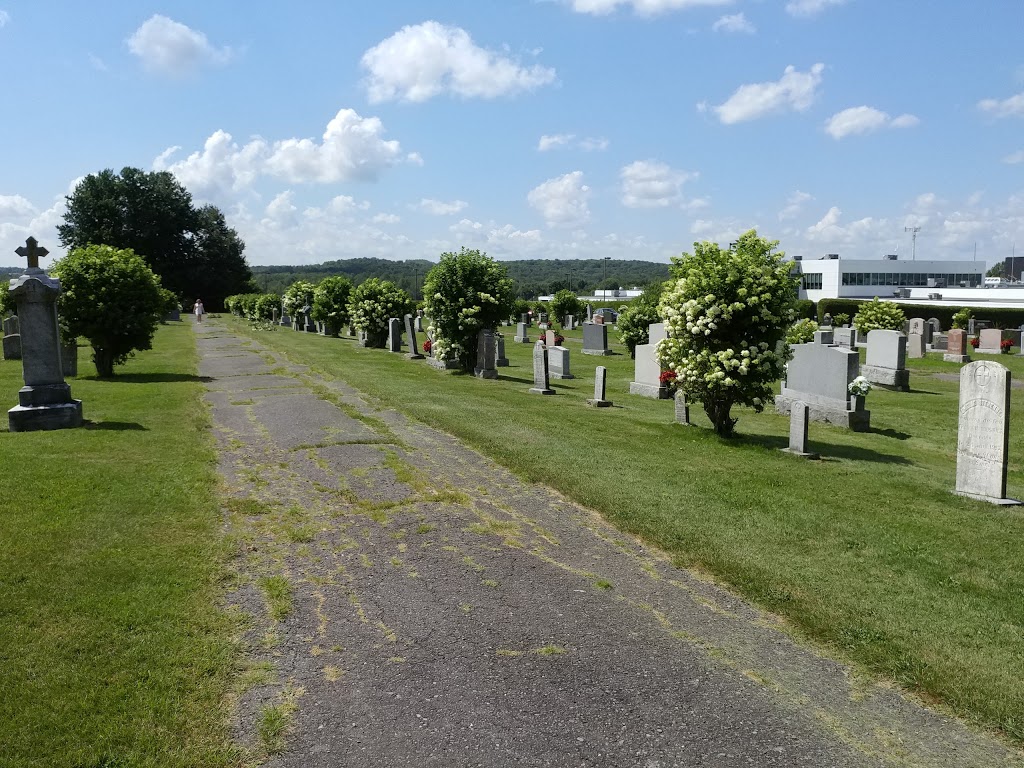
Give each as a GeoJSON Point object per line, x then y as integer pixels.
{"type": "Point", "coordinates": [485, 354]}
{"type": "Point", "coordinates": [845, 337]}
{"type": "Point", "coordinates": [521, 336]}
{"type": "Point", "coordinates": [285, 320]}
{"type": "Point", "coordinates": [173, 316]}
{"type": "Point", "coordinates": [798, 418]}
{"type": "Point", "coordinates": [600, 388]}
{"type": "Point", "coordinates": [419, 321]}
{"type": "Point", "coordinates": [394, 334]}
{"type": "Point", "coordinates": [921, 326]}
{"type": "Point", "coordinates": [682, 409]}
{"type": "Point", "coordinates": [351, 330]}
{"type": "Point", "coordinates": [558, 363]}
{"type": "Point", "coordinates": [410, 339]}
{"type": "Point", "coordinates": [273, 316]}
{"type": "Point", "coordinates": [972, 326]}
{"type": "Point", "coordinates": [936, 325]}
{"type": "Point", "coordinates": [590, 313]}
{"type": "Point", "coordinates": [939, 342]}
{"type": "Point", "coordinates": [570, 322]}
{"type": "Point", "coordinates": [646, 368]}
{"type": "Point", "coordinates": [826, 320]}
{"type": "Point", "coordinates": [525, 319]}
{"type": "Point", "coordinates": [45, 401]}
{"type": "Point", "coordinates": [307, 313]}
{"type": "Point", "coordinates": [500, 361]}
{"type": "Point", "coordinates": [956, 347]}
{"type": "Point", "coordinates": [820, 376]}
{"type": "Point", "coordinates": [915, 346]}
{"type": "Point", "coordinates": [12, 338]}
{"type": "Point", "coordinates": [540, 370]}
{"type": "Point", "coordinates": [886, 362]}
{"type": "Point", "coordinates": [983, 434]}
{"type": "Point", "coordinates": [990, 339]}
{"type": "Point", "coordinates": [822, 336]}
{"type": "Point", "coordinates": [595, 339]}
{"type": "Point", "coordinates": [549, 338]}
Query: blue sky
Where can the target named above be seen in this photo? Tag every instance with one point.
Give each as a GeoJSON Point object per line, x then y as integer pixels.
{"type": "Point", "coordinates": [561, 129]}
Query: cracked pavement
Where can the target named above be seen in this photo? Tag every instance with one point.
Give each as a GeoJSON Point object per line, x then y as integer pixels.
{"type": "Point", "coordinates": [432, 609]}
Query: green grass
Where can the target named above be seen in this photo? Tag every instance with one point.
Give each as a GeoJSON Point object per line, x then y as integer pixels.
{"type": "Point", "coordinates": [866, 551]}
{"type": "Point", "coordinates": [112, 649]}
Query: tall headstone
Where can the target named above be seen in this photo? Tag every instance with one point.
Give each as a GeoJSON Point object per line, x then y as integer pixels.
{"type": "Point", "coordinates": [886, 362]}
{"type": "Point", "coordinates": [595, 339]}
{"type": "Point", "coordinates": [12, 338]}
{"type": "Point", "coordinates": [915, 346]}
{"type": "Point", "coordinates": [972, 326]}
{"type": "Point", "coordinates": [394, 334]}
{"type": "Point", "coordinates": [989, 340]}
{"type": "Point", "coordinates": [485, 354]}
{"type": "Point", "coordinates": [410, 339]}
{"type": "Point", "coordinates": [558, 363]}
{"type": "Point", "coordinates": [500, 361]}
{"type": "Point", "coordinates": [682, 409]}
{"type": "Point", "coordinates": [984, 431]}
{"type": "Point", "coordinates": [600, 388]}
{"type": "Point", "coordinates": [307, 313]}
{"type": "Point", "coordinates": [521, 337]}
{"type": "Point", "coordinates": [646, 368]}
{"type": "Point", "coordinates": [525, 319]}
{"type": "Point", "coordinates": [419, 321]}
{"type": "Point", "coordinates": [549, 339]}
{"type": "Point", "coordinates": [798, 418]}
{"type": "Point", "coordinates": [820, 376]}
{"type": "Point", "coordinates": [936, 325]}
{"type": "Point", "coordinates": [921, 326]}
{"type": "Point", "coordinates": [540, 370]}
{"type": "Point", "coordinates": [570, 322]}
{"type": "Point", "coordinates": [590, 312]}
{"type": "Point", "coordinates": [45, 401]}
{"type": "Point", "coordinates": [956, 347]}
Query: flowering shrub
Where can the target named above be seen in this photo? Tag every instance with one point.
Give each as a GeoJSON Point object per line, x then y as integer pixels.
{"type": "Point", "coordinates": [565, 302]}
{"type": "Point", "coordinates": [559, 339]}
{"type": "Point", "coordinates": [1005, 346]}
{"type": "Point", "coordinates": [876, 314]}
{"type": "Point", "coordinates": [465, 293]}
{"type": "Point", "coordinates": [726, 314]}
{"type": "Point", "coordinates": [801, 332]}
{"type": "Point", "coordinates": [330, 301]}
{"type": "Point", "coordinates": [840, 319]}
{"type": "Point", "coordinates": [859, 386]}
{"type": "Point", "coordinates": [960, 318]}
{"type": "Point", "coordinates": [427, 346]}
{"type": "Point", "coordinates": [372, 304]}
{"type": "Point", "coordinates": [296, 296]}
{"type": "Point", "coordinates": [635, 320]}
{"type": "Point", "coordinates": [974, 342]}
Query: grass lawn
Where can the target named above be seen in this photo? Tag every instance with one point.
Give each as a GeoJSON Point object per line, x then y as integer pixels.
{"type": "Point", "coordinates": [866, 551]}
{"type": "Point", "coordinates": [112, 649]}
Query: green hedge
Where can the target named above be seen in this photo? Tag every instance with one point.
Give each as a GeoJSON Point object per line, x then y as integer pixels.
{"type": "Point", "coordinates": [1000, 318]}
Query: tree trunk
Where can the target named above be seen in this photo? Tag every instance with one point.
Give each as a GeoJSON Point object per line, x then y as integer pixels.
{"type": "Point", "coordinates": [104, 359]}
{"type": "Point", "coordinates": [718, 412]}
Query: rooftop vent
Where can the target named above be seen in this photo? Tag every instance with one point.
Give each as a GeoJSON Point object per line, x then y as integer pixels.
{"type": "Point", "coordinates": [889, 257]}
{"type": "Point", "coordinates": [831, 256]}
{"type": "Point", "coordinates": [798, 258]}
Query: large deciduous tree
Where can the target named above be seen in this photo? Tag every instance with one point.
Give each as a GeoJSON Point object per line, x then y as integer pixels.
{"type": "Point", "coordinates": [193, 251]}
{"type": "Point", "coordinates": [113, 299]}
{"type": "Point", "coordinates": [726, 313]}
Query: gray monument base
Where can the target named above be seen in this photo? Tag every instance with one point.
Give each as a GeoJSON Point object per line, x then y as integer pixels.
{"type": "Point", "coordinates": [989, 499]}
{"type": "Point", "coordinates": [554, 375]}
{"type": "Point", "coordinates": [653, 391]}
{"type": "Point", "coordinates": [828, 413]}
{"type": "Point", "coordinates": [802, 455]}
{"type": "Point", "coordinates": [597, 352]}
{"type": "Point", "coordinates": [485, 373]}
{"type": "Point", "coordinates": [890, 378]}
{"type": "Point", "coordinates": [501, 362]}
{"type": "Point", "coordinates": [443, 365]}
{"type": "Point", "coordinates": [983, 351]}
{"type": "Point", "coordinates": [600, 403]}
{"type": "Point", "coordinates": [32, 418]}
{"type": "Point", "coordinates": [415, 356]}
{"type": "Point", "coordinates": [521, 339]}
{"type": "Point", "coordinates": [957, 358]}
{"type": "Point", "coordinates": [541, 391]}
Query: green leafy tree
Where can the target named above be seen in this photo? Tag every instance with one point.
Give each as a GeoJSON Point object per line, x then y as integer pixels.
{"type": "Point", "coordinates": [373, 303]}
{"type": "Point", "coordinates": [802, 331]}
{"type": "Point", "coordinates": [726, 313]}
{"type": "Point", "coordinates": [873, 315]}
{"type": "Point", "coordinates": [996, 270]}
{"type": "Point", "coordinates": [298, 295]}
{"type": "Point", "coordinates": [519, 308]}
{"type": "Point", "coordinates": [465, 293]}
{"type": "Point", "coordinates": [330, 302]}
{"type": "Point", "coordinates": [193, 251]}
{"type": "Point", "coordinates": [635, 320]}
{"type": "Point", "coordinates": [112, 298]}
{"type": "Point", "coordinates": [564, 303]}
{"type": "Point", "coordinates": [961, 318]}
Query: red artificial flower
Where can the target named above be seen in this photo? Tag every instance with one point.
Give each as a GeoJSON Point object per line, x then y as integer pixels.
{"type": "Point", "coordinates": [1005, 345]}
{"type": "Point", "coordinates": [667, 377]}
{"type": "Point", "coordinates": [975, 342]}
{"type": "Point", "coordinates": [427, 345]}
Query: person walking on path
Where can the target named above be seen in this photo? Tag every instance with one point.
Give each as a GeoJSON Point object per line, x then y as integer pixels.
{"type": "Point", "coordinates": [199, 310]}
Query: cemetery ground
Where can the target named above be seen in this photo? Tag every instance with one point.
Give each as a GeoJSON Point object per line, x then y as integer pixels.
{"type": "Point", "coordinates": [116, 648]}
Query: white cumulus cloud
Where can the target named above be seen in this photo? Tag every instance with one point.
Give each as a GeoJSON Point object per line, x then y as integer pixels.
{"type": "Point", "coordinates": [422, 61]}
{"type": "Point", "coordinates": [640, 7]}
{"type": "Point", "coordinates": [386, 218]}
{"type": "Point", "coordinates": [170, 48]}
{"type": "Point", "coordinates": [14, 208]}
{"type": "Point", "coordinates": [810, 7]}
{"type": "Point", "coordinates": [860, 120]}
{"type": "Point", "coordinates": [4, 18]}
{"type": "Point", "coordinates": [441, 208]}
{"type": "Point", "coordinates": [1014, 157]}
{"type": "Point", "coordinates": [554, 141]}
{"type": "Point", "coordinates": [650, 184]}
{"type": "Point", "coordinates": [562, 200]}
{"type": "Point", "coordinates": [794, 90]}
{"type": "Point", "coordinates": [1014, 105]}
{"type": "Point", "coordinates": [794, 205]}
{"type": "Point", "coordinates": [736, 22]}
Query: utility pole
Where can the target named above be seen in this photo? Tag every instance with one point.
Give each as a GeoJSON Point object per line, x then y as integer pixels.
{"type": "Point", "coordinates": [913, 240]}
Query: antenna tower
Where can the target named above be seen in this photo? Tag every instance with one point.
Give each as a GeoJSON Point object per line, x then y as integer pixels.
{"type": "Point", "coordinates": [913, 239]}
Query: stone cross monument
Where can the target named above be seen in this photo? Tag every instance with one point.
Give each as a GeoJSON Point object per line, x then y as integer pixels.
{"type": "Point", "coordinates": [45, 400]}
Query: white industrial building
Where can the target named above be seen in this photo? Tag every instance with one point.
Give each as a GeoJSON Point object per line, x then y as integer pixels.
{"type": "Point", "coordinates": [831, 277]}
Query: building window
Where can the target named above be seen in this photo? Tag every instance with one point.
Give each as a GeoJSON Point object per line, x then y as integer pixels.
{"type": "Point", "coordinates": [811, 282]}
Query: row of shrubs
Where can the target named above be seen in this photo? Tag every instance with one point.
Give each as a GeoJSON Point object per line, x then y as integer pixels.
{"type": "Point", "coordinates": [999, 317]}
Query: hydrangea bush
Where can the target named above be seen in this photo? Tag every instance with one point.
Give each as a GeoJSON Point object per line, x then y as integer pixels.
{"type": "Point", "coordinates": [330, 302]}
{"type": "Point", "coordinates": [372, 304]}
{"type": "Point", "coordinates": [801, 332]}
{"type": "Point", "coordinates": [296, 296]}
{"type": "Point", "coordinates": [726, 313]}
{"type": "Point", "coordinates": [563, 303]}
{"type": "Point", "coordinates": [465, 293]}
{"type": "Point", "coordinates": [873, 315]}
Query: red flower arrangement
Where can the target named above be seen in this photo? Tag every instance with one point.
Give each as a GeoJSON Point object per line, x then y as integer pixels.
{"type": "Point", "coordinates": [559, 339]}
{"type": "Point", "coordinates": [427, 345]}
{"type": "Point", "coordinates": [667, 377]}
{"type": "Point", "coordinates": [975, 342]}
{"type": "Point", "coordinates": [1005, 346]}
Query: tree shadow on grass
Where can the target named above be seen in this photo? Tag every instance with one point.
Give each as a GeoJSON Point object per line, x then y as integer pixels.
{"type": "Point", "coordinates": [828, 451]}
{"type": "Point", "coordinates": [115, 426]}
{"type": "Point", "coordinates": [154, 378]}
{"type": "Point", "coordinates": [891, 433]}
{"type": "Point", "coordinates": [520, 379]}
